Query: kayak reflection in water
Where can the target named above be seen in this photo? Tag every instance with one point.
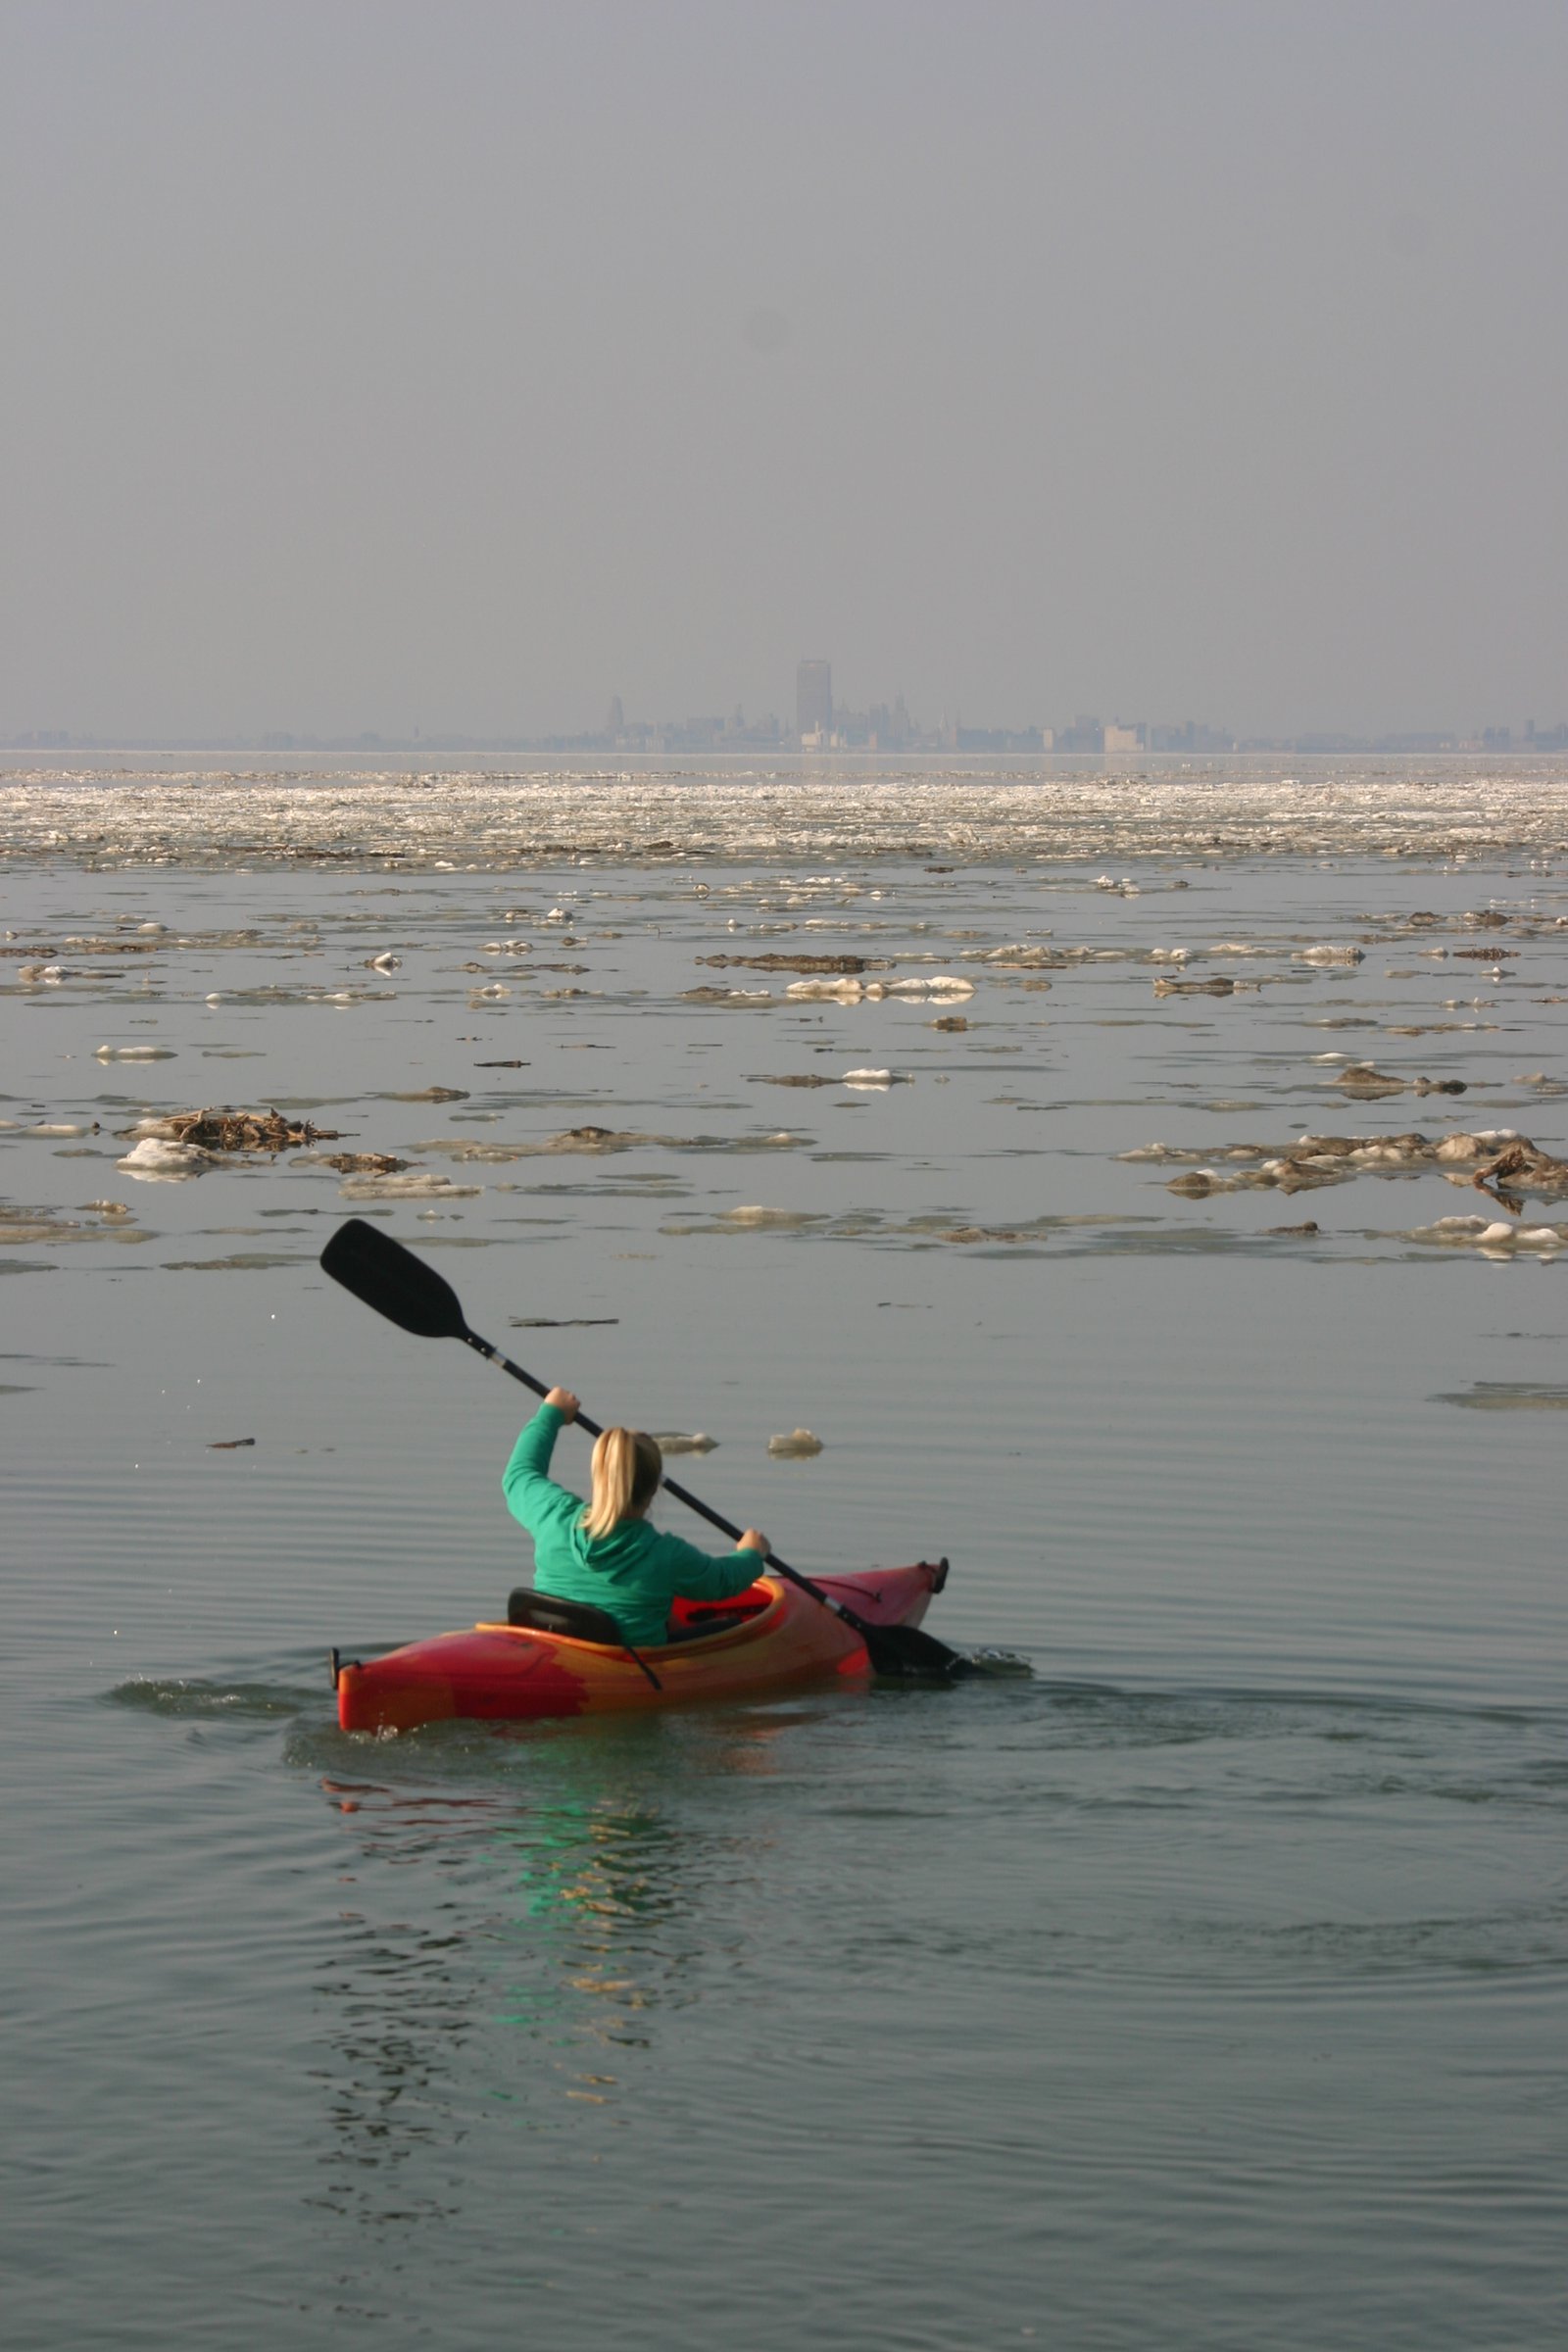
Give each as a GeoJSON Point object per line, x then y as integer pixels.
{"type": "Point", "coordinates": [604, 1551]}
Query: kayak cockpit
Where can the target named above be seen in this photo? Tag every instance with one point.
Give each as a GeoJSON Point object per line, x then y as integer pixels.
{"type": "Point", "coordinates": [580, 1621]}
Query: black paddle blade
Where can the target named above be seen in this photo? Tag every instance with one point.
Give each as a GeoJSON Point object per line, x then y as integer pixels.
{"type": "Point", "coordinates": [391, 1279]}
{"type": "Point", "coordinates": [905, 1654]}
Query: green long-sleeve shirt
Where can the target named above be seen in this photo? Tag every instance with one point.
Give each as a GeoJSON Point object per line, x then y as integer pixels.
{"type": "Point", "coordinates": [634, 1572]}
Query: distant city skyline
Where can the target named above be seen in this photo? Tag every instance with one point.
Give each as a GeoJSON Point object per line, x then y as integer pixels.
{"type": "Point", "coordinates": [822, 724]}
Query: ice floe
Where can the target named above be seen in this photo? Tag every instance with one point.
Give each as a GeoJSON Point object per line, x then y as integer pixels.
{"type": "Point", "coordinates": [156, 1160]}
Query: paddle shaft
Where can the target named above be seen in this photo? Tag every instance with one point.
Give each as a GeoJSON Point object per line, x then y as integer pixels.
{"type": "Point", "coordinates": [693, 1502]}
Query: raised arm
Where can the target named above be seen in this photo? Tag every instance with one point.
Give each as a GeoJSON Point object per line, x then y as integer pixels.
{"type": "Point", "coordinates": [532, 1495]}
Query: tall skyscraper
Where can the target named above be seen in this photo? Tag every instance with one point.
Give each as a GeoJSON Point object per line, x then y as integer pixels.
{"type": "Point", "coordinates": [814, 698]}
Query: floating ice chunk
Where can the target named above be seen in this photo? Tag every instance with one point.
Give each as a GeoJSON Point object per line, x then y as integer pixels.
{"type": "Point", "coordinates": [759, 1217]}
{"type": "Point", "coordinates": [386, 962]}
{"type": "Point", "coordinates": [846, 989]}
{"type": "Point", "coordinates": [796, 1446]}
{"type": "Point", "coordinates": [1480, 1233]}
{"type": "Point", "coordinates": [678, 1441]}
{"type": "Point", "coordinates": [1329, 952]}
{"type": "Point", "coordinates": [875, 1078]}
{"type": "Point", "coordinates": [419, 1184]}
{"type": "Point", "coordinates": [154, 1160]}
{"type": "Point", "coordinates": [134, 1054]}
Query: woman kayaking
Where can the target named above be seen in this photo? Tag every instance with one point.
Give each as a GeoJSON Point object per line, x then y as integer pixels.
{"type": "Point", "coordinates": [604, 1551]}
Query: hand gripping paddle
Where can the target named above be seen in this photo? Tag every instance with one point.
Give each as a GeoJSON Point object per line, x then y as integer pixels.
{"type": "Point", "coordinates": [410, 1293]}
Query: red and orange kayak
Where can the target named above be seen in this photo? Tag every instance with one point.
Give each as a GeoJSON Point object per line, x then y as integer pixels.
{"type": "Point", "coordinates": [770, 1636]}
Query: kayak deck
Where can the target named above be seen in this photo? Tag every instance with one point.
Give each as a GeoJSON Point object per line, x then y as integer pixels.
{"type": "Point", "coordinates": [768, 1637]}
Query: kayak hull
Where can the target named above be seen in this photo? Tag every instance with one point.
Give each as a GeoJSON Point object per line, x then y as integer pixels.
{"type": "Point", "coordinates": [771, 1637]}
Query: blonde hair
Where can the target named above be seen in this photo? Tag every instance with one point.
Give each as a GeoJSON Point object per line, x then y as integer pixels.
{"type": "Point", "coordinates": [627, 1467]}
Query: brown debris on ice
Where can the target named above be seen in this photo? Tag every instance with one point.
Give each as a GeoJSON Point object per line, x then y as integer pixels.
{"type": "Point", "coordinates": [595, 1139]}
{"type": "Point", "coordinates": [1319, 1159]}
{"type": "Point", "coordinates": [229, 1130]}
{"type": "Point", "coordinates": [364, 1163]}
{"type": "Point", "coordinates": [778, 963]}
{"type": "Point", "coordinates": [1520, 1168]}
{"type": "Point", "coordinates": [1361, 1078]}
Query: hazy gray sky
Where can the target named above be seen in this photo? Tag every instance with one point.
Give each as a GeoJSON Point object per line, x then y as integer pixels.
{"type": "Point", "coordinates": [456, 363]}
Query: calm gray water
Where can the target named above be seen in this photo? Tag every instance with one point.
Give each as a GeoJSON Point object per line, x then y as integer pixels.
{"type": "Point", "coordinates": [1210, 1989]}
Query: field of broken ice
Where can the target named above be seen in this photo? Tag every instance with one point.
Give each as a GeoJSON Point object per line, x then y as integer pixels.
{"type": "Point", "coordinates": [1151, 1192]}
{"type": "Point", "coordinates": [1045, 1059]}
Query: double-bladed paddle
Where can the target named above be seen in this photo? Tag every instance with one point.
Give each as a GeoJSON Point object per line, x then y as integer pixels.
{"type": "Point", "coordinates": [410, 1293]}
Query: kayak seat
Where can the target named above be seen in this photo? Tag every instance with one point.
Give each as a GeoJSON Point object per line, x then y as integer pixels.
{"type": "Point", "coordinates": [578, 1620]}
